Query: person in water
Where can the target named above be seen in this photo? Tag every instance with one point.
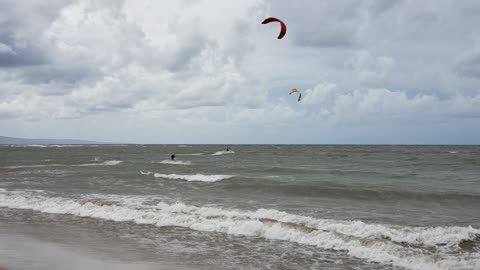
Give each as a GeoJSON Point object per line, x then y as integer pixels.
{"type": "Point", "coordinates": [172, 157]}
{"type": "Point", "coordinates": [228, 149]}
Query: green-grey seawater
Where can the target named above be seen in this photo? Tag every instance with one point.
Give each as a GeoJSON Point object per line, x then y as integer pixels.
{"type": "Point", "coordinates": [260, 206]}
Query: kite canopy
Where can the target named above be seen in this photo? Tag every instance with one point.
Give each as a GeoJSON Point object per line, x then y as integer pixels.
{"type": "Point", "coordinates": [283, 27]}
{"type": "Point", "coordinates": [295, 90]}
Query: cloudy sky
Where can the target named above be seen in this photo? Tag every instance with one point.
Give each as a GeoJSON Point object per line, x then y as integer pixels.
{"type": "Point", "coordinates": [208, 71]}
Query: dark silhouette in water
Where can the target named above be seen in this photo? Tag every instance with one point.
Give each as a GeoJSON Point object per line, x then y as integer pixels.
{"type": "Point", "coordinates": [172, 157]}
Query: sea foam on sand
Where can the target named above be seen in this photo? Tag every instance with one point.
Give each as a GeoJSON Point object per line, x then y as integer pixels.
{"type": "Point", "coordinates": [429, 248]}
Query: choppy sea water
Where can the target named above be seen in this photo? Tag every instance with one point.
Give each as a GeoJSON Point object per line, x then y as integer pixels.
{"type": "Point", "coordinates": [257, 207]}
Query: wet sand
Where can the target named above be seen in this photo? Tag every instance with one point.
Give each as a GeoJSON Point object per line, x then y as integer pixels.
{"type": "Point", "coordinates": [26, 247]}
{"type": "Point", "coordinates": [18, 252]}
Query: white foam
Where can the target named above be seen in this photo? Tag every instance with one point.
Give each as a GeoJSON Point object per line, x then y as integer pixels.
{"type": "Point", "coordinates": [176, 162]}
{"type": "Point", "coordinates": [261, 177]}
{"type": "Point", "coordinates": [63, 145]}
{"type": "Point", "coordinates": [194, 177]}
{"type": "Point", "coordinates": [192, 154]}
{"type": "Point", "coordinates": [145, 173]}
{"type": "Point", "coordinates": [59, 145]}
{"type": "Point", "coordinates": [111, 162]}
{"type": "Point", "coordinates": [358, 239]}
{"type": "Point", "coordinates": [70, 145]}
{"type": "Point", "coordinates": [33, 166]}
{"type": "Point", "coordinates": [37, 145]}
{"type": "Point", "coordinates": [105, 163]}
{"type": "Point", "coordinates": [223, 153]}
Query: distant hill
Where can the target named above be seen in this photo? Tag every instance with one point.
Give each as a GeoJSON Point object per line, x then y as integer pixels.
{"type": "Point", "coordinates": [11, 140]}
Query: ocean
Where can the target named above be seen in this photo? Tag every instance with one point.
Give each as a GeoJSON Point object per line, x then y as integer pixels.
{"type": "Point", "coordinates": [253, 207]}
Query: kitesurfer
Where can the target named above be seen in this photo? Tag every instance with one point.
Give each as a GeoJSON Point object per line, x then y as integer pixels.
{"type": "Point", "coordinates": [172, 157]}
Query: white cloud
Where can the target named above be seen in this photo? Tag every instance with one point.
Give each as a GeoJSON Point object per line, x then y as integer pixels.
{"type": "Point", "coordinates": [193, 65]}
{"type": "Point", "coordinates": [324, 23]}
{"type": "Point", "coordinates": [378, 104]}
{"type": "Point", "coordinates": [173, 59]}
{"type": "Point", "coordinates": [371, 71]}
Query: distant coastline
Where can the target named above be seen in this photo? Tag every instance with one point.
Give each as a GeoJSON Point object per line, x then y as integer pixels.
{"type": "Point", "coordinates": [14, 140]}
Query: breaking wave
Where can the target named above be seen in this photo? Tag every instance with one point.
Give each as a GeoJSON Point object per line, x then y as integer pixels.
{"type": "Point", "coordinates": [145, 173]}
{"type": "Point", "coordinates": [104, 163]}
{"type": "Point", "coordinates": [33, 166]}
{"type": "Point", "coordinates": [36, 145]}
{"type": "Point", "coordinates": [449, 247]}
{"type": "Point", "coordinates": [176, 162]}
{"type": "Point", "coordinates": [194, 177]}
{"type": "Point", "coordinates": [223, 153]}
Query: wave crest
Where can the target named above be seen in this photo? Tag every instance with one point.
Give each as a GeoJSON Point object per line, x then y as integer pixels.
{"type": "Point", "coordinates": [223, 153]}
{"type": "Point", "coordinates": [104, 163]}
{"type": "Point", "coordinates": [194, 177]}
{"type": "Point", "coordinates": [176, 162]}
{"type": "Point", "coordinates": [402, 246]}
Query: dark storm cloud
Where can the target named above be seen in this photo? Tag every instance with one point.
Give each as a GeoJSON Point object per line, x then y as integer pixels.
{"type": "Point", "coordinates": [22, 54]}
{"type": "Point", "coordinates": [21, 25]}
{"type": "Point", "coordinates": [36, 60]}
{"type": "Point", "coordinates": [68, 74]}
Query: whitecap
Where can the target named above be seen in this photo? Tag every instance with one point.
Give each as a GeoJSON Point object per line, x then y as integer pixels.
{"type": "Point", "coordinates": [223, 153]}
{"type": "Point", "coordinates": [194, 177]}
{"type": "Point", "coordinates": [33, 166]}
{"type": "Point", "coordinates": [105, 163]}
{"type": "Point", "coordinates": [176, 162]}
{"type": "Point", "coordinates": [145, 173]}
{"type": "Point", "coordinates": [37, 145]}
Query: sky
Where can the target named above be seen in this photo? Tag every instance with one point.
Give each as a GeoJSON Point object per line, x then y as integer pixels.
{"type": "Point", "coordinates": [208, 71]}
